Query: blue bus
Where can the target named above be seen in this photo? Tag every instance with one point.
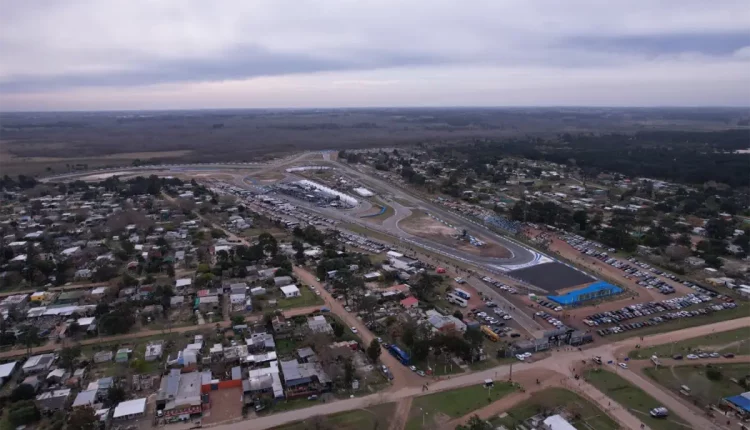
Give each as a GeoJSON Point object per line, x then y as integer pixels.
{"type": "Point", "coordinates": [461, 293]}
{"type": "Point", "coordinates": [399, 354]}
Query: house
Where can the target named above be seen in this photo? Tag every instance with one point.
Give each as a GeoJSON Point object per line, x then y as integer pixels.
{"type": "Point", "coordinates": [52, 401]}
{"type": "Point", "coordinates": [267, 273]}
{"type": "Point", "coordinates": [445, 323]}
{"type": "Point", "coordinates": [182, 284]}
{"type": "Point", "coordinates": [130, 409]}
{"type": "Point", "coordinates": [179, 396]}
{"type": "Point", "coordinates": [264, 381]}
{"type": "Point", "coordinates": [258, 291]}
{"type": "Point", "coordinates": [303, 379]}
{"type": "Point", "coordinates": [280, 281]}
{"type": "Point", "coordinates": [208, 303]}
{"type": "Point", "coordinates": [83, 274]}
{"type": "Point", "coordinates": [70, 297]}
{"type": "Point", "coordinates": [319, 324]}
{"type": "Point", "coordinates": [556, 422]}
{"type": "Point", "coordinates": [7, 370]}
{"type": "Point", "coordinates": [123, 355]}
{"type": "Point", "coordinates": [38, 363]}
{"type": "Point", "coordinates": [103, 356]}
{"type": "Point", "coordinates": [154, 350]}
{"type": "Point", "coordinates": [410, 302]}
{"type": "Point", "coordinates": [85, 398]}
{"type": "Point", "coordinates": [282, 328]}
{"type": "Point", "coordinates": [290, 291]}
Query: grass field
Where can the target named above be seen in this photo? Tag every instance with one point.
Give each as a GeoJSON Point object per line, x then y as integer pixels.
{"type": "Point", "coordinates": [307, 298]}
{"type": "Point", "coordinates": [376, 417]}
{"type": "Point", "coordinates": [453, 404]}
{"type": "Point", "coordinates": [734, 341]}
{"type": "Point", "coordinates": [587, 415]}
{"type": "Point", "coordinates": [632, 398]}
{"type": "Point", "coordinates": [702, 389]}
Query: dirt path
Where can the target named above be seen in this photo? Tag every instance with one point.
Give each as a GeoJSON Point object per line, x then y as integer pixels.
{"type": "Point", "coordinates": [402, 376]}
{"type": "Point", "coordinates": [401, 415]}
{"type": "Point", "coordinates": [49, 347]}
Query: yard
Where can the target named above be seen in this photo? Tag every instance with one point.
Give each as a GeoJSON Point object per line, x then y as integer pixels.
{"type": "Point", "coordinates": [439, 408]}
{"type": "Point", "coordinates": [702, 389]}
{"type": "Point", "coordinates": [376, 417]}
{"type": "Point", "coordinates": [307, 298]}
{"type": "Point", "coordinates": [734, 341]}
{"type": "Point", "coordinates": [633, 398]}
{"type": "Point", "coordinates": [585, 414]}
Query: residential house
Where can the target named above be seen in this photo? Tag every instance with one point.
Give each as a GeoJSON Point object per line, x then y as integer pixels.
{"type": "Point", "coordinates": [130, 409]}
{"type": "Point", "coordinates": [52, 401]}
{"type": "Point", "coordinates": [179, 396]}
{"type": "Point", "coordinates": [319, 324]}
{"type": "Point", "coordinates": [290, 291]}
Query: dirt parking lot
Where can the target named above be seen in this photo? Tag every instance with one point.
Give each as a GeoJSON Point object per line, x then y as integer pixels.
{"type": "Point", "coordinates": [226, 405]}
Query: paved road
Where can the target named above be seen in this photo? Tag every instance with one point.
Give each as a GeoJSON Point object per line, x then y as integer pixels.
{"type": "Point", "coordinates": [520, 253]}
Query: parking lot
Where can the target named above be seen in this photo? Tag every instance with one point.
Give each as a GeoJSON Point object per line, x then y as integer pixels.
{"type": "Point", "coordinates": [663, 311]}
{"type": "Point", "coordinates": [642, 273]}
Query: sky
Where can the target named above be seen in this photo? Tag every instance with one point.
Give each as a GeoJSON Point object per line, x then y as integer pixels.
{"type": "Point", "coordinates": [192, 54]}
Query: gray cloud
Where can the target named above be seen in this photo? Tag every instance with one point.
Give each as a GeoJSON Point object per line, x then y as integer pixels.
{"type": "Point", "coordinates": [56, 47]}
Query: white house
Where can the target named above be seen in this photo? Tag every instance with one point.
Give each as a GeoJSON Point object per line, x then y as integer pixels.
{"type": "Point", "coordinates": [131, 409]}
{"type": "Point", "coordinates": [290, 291]}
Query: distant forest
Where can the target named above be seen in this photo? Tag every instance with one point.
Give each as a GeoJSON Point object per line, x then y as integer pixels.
{"type": "Point", "coordinates": [680, 156]}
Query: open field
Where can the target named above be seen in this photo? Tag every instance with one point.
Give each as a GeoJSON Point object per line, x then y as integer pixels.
{"type": "Point", "coordinates": [441, 407]}
{"type": "Point", "coordinates": [632, 398]}
{"type": "Point", "coordinates": [734, 341]}
{"type": "Point", "coordinates": [586, 414]}
{"type": "Point", "coordinates": [420, 224]}
{"type": "Point", "coordinates": [376, 417]}
{"type": "Point", "coordinates": [702, 389]}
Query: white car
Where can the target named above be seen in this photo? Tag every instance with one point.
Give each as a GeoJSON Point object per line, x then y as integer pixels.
{"type": "Point", "coordinates": [354, 329]}
{"type": "Point", "coordinates": [507, 317]}
{"type": "Point", "coordinates": [413, 368]}
{"type": "Point", "coordinates": [521, 357]}
{"type": "Point", "coordinates": [481, 314]}
{"type": "Point", "coordinates": [691, 357]}
{"type": "Point", "coordinates": [623, 365]}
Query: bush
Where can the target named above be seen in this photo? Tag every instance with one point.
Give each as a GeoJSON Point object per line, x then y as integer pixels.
{"type": "Point", "coordinates": [713, 374]}
{"type": "Point", "coordinates": [23, 413]}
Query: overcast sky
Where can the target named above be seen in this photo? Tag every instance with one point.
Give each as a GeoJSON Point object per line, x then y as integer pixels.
{"type": "Point", "coordinates": [134, 54]}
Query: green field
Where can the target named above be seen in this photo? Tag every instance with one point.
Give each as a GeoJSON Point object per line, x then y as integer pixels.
{"type": "Point", "coordinates": [454, 403]}
{"type": "Point", "coordinates": [586, 415]}
{"type": "Point", "coordinates": [702, 389]}
{"type": "Point", "coordinates": [307, 298]}
{"type": "Point", "coordinates": [734, 341]}
{"type": "Point", "coordinates": [632, 398]}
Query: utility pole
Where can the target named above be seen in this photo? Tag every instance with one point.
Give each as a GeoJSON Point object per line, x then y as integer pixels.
{"type": "Point", "coordinates": [510, 373]}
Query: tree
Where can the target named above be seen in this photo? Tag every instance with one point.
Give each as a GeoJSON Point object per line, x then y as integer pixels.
{"type": "Point", "coordinates": [458, 315]}
{"type": "Point", "coordinates": [68, 357]}
{"type": "Point", "coordinates": [23, 413]}
{"type": "Point", "coordinates": [373, 351]}
{"type": "Point", "coordinates": [31, 338]}
{"type": "Point", "coordinates": [338, 329]}
{"type": "Point", "coordinates": [713, 374]}
{"type": "Point", "coordinates": [83, 418]}
{"type": "Point", "coordinates": [237, 320]}
{"type": "Point", "coordinates": [22, 392]}
{"type": "Point", "coordinates": [475, 423]}
{"type": "Point", "coordinates": [348, 372]}
{"type": "Point", "coordinates": [268, 243]}
{"type": "Point", "coordinates": [115, 395]}
{"type": "Point", "coordinates": [580, 218]}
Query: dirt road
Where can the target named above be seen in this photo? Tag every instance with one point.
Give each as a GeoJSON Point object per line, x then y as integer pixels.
{"type": "Point", "coordinates": [402, 376]}
{"type": "Point", "coordinates": [147, 333]}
